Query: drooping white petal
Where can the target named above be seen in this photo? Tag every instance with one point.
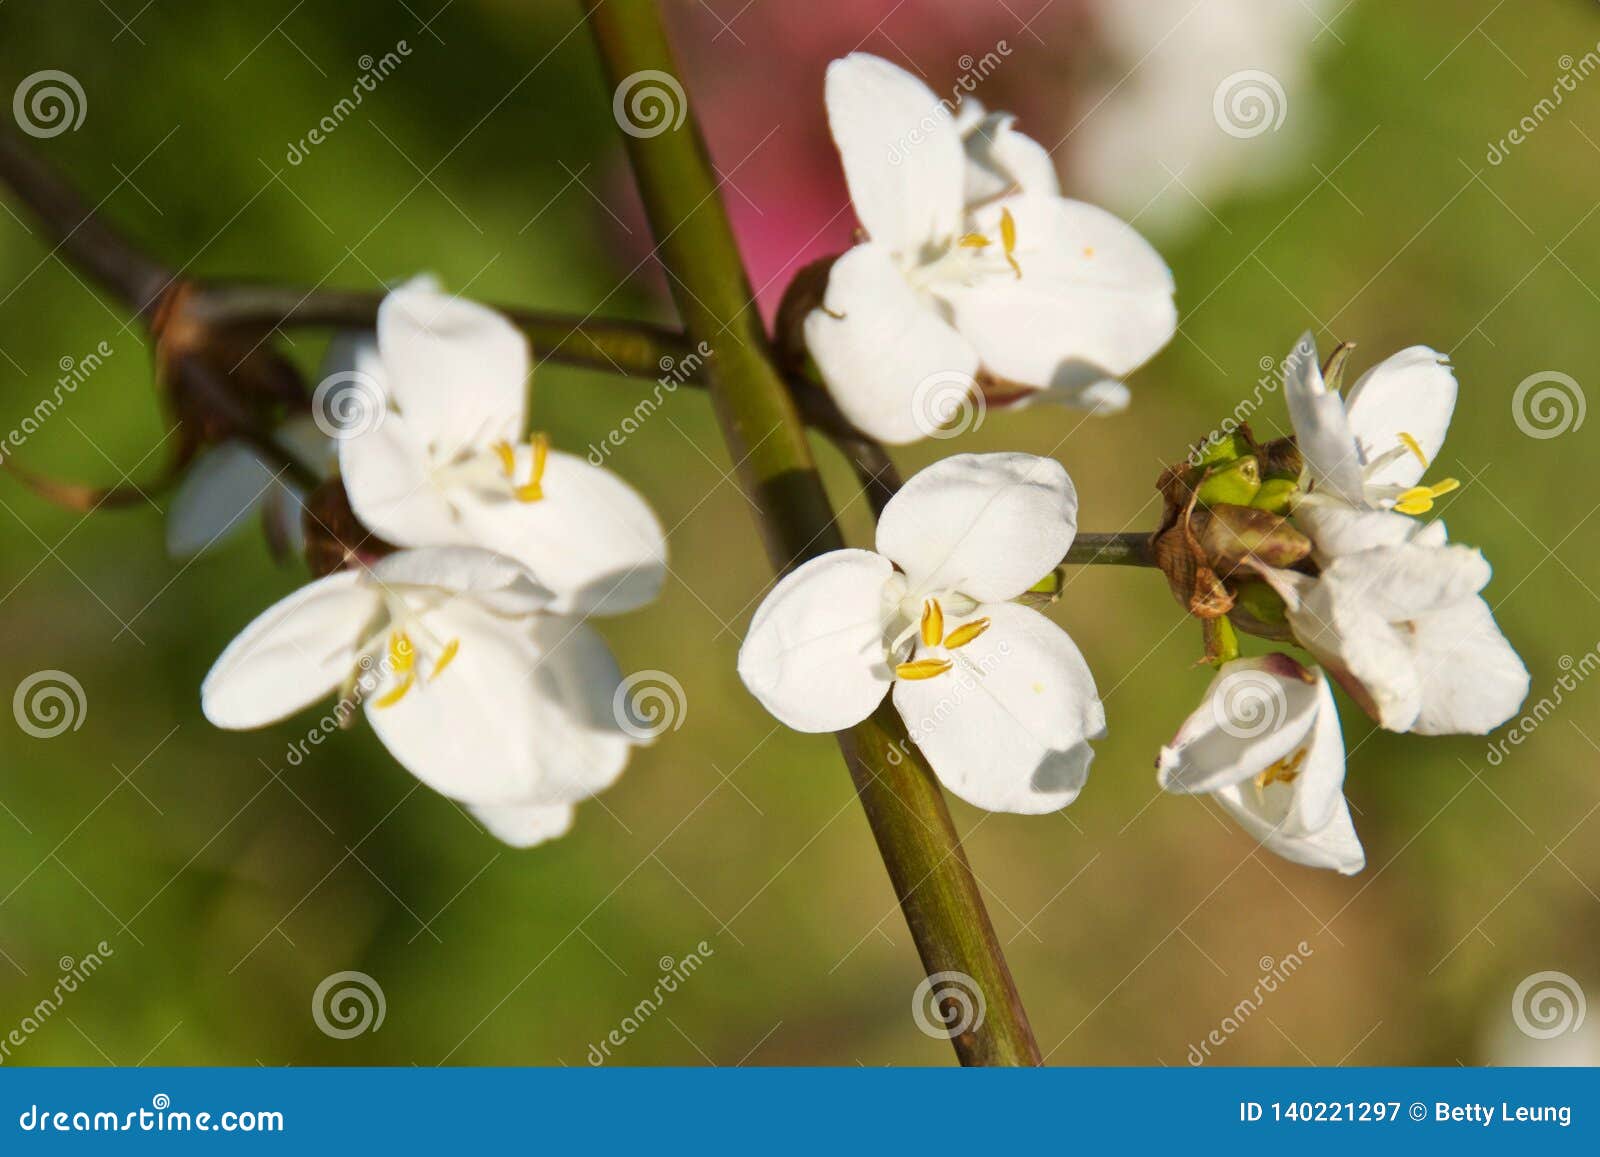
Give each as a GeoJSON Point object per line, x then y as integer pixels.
{"type": "Point", "coordinates": [294, 653]}
{"type": "Point", "coordinates": [1413, 392]}
{"type": "Point", "coordinates": [1255, 713]}
{"type": "Point", "coordinates": [1007, 729]}
{"type": "Point", "coordinates": [578, 673]}
{"type": "Point", "coordinates": [1321, 426]}
{"type": "Point", "coordinates": [592, 539]}
{"type": "Point", "coordinates": [525, 825]}
{"type": "Point", "coordinates": [1472, 678]}
{"type": "Point", "coordinates": [901, 153]}
{"type": "Point", "coordinates": [987, 525]}
{"type": "Point", "coordinates": [220, 491]}
{"type": "Point", "coordinates": [456, 370]}
{"type": "Point", "coordinates": [1334, 845]}
{"type": "Point", "coordinates": [1001, 160]}
{"type": "Point", "coordinates": [885, 354]}
{"type": "Point", "coordinates": [386, 473]}
{"type": "Point", "coordinates": [1094, 299]}
{"type": "Point", "coordinates": [1362, 650]}
{"type": "Point", "coordinates": [498, 582]}
{"type": "Point", "coordinates": [814, 655]}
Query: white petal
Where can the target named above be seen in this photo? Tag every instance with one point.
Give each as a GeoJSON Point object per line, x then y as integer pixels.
{"type": "Point", "coordinates": [592, 539]}
{"type": "Point", "coordinates": [1007, 729]}
{"type": "Point", "coordinates": [1472, 678]}
{"type": "Point", "coordinates": [1321, 427]}
{"type": "Point", "coordinates": [387, 476]}
{"type": "Point", "coordinates": [525, 825]}
{"type": "Point", "coordinates": [1255, 713]}
{"type": "Point", "coordinates": [1001, 160]}
{"type": "Point", "coordinates": [1336, 528]}
{"type": "Point", "coordinates": [578, 673]}
{"type": "Point", "coordinates": [294, 653]}
{"type": "Point", "coordinates": [456, 370]}
{"type": "Point", "coordinates": [1333, 846]}
{"type": "Point", "coordinates": [888, 358]}
{"type": "Point", "coordinates": [1094, 300]}
{"type": "Point", "coordinates": [1403, 583]}
{"type": "Point", "coordinates": [901, 152]}
{"type": "Point", "coordinates": [814, 654]}
{"type": "Point", "coordinates": [987, 525]}
{"type": "Point", "coordinates": [1413, 392]}
{"type": "Point", "coordinates": [220, 491]}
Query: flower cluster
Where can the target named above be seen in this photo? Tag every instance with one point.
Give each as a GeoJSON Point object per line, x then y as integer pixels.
{"type": "Point", "coordinates": [467, 646]}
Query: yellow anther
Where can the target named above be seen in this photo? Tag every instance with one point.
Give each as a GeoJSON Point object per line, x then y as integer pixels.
{"type": "Point", "coordinates": [402, 655]}
{"type": "Point", "coordinates": [1088, 250]}
{"type": "Point", "coordinates": [922, 668]}
{"type": "Point", "coordinates": [965, 633]}
{"type": "Point", "coordinates": [445, 658]}
{"type": "Point", "coordinates": [533, 489]}
{"type": "Point", "coordinates": [395, 693]}
{"type": "Point", "coordinates": [1008, 240]}
{"type": "Point", "coordinates": [932, 623]}
{"type": "Point", "coordinates": [974, 241]}
{"type": "Point", "coordinates": [508, 457]}
{"type": "Point", "coordinates": [1411, 444]}
{"type": "Point", "coordinates": [1419, 499]}
{"type": "Point", "coordinates": [1286, 770]}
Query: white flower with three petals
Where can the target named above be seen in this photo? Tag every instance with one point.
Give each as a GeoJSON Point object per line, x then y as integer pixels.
{"type": "Point", "coordinates": [997, 697]}
{"type": "Point", "coordinates": [465, 678]}
{"type": "Point", "coordinates": [1265, 742]}
{"type": "Point", "coordinates": [973, 262]}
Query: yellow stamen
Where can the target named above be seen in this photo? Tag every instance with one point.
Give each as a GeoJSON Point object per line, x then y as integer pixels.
{"type": "Point", "coordinates": [1411, 444]}
{"type": "Point", "coordinates": [533, 489]}
{"type": "Point", "coordinates": [508, 457]}
{"type": "Point", "coordinates": [1088, 250]}
{"type": "Point", "coordinates": [1419, 499]}
{"type": "Point", "coordinates": [965, 633]}
{"type": "Point", "coordinates": [1286, 770]}
{"type": "Point", "coordinates": [922, 668]}
{"type": "Point", "coordinates": [402, 655]}
{"type": "Point", "coordinates": [1008, 240]}
{"type": "Point", "coordinates": [932, 623]}
{"type": "Point", "coordinates": [445, 657]}
{"type": "Point", "coordinates": [396, 693]}
{"type": "Point", "coordinates": [974, 241]}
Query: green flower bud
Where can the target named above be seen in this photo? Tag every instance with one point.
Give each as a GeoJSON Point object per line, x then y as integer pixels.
{"type": "Point", "coordinates": [1235, 483]}
{"type": "Point", "coordinates": [1275, 495]}
{"type": "Point", "coordinates": [1229, 535]}
{"type": "Point", "coordinates": [1216, 451]}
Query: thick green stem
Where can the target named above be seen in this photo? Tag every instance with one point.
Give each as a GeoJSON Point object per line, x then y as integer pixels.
{"type": "Point", "coordinates": [765, 436]}
{"type": "Point", "coordinates": [1123, 549]}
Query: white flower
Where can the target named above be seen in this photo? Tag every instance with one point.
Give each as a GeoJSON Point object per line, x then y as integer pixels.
{"type": "Point", "coordinates": [1266, 742]}
{"type": "Point", "coordinates": [1396, 616]}
{"type": "Point", "coordinates": [228, 483]}
{"type": "Point", "coordinates": [1039, 291]}
{"type": "Point", "coordinates": [476, 691]}
{"type": "Point", "coordinates": [997, 697]}
{"type": "Point", "coordinates": [446, 464]}
{"type": "Point", "coordinates": [1370, 450]}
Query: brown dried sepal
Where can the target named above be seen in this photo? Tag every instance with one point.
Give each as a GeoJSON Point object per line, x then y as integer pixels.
{"type": "Point", "coordinates": [335, 538]}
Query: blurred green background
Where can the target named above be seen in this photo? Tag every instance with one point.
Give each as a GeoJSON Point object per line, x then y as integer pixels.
{"type": "Point", "coordinates": [228, 883]}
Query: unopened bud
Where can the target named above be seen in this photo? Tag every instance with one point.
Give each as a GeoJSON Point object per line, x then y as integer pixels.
{"type": "Point", "coordinates": [1229, 535]}
{"type": "Point", "coordinates": [1235, 483]}
{"type": "Point", "coordinates": [1259, 610]}
{"type": "Point", "coordinates": [1275, 495]}
{"type": "Point", "coordinates": [1218, 450]}
{"type": "Point", "coordinates": [1333, 368]}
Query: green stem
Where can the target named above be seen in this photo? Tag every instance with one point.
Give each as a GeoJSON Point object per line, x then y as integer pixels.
{"type": "Point", "coordinates": [1122, 549]}
{"type": "Point", "coordinates": [765, 436]}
